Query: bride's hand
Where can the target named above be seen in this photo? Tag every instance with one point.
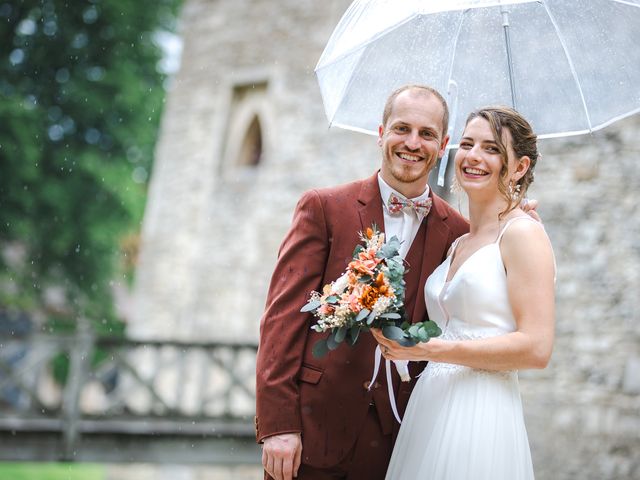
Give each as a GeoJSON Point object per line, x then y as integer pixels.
{"type": "Point", "coordinates": [392, 350]}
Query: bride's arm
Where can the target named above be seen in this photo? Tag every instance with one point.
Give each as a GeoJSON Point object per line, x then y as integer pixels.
{"type": "Point", "coordinates": [528, 259]}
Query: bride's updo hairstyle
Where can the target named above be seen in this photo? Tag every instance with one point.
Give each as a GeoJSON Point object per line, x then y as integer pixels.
{"type": "Point", "coordinates": [523, 142]}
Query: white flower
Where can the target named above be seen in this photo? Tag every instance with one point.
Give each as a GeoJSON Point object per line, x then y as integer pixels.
{"type": "Point", "coordinates": [381, 305]}
{"type": "Point", "coordinates": [340, 284]}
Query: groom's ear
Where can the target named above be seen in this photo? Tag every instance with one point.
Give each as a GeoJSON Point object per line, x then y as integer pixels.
{"type": "Point", "coordinates": [380, 134]}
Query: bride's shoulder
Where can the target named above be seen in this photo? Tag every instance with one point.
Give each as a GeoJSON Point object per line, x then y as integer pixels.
{"type": "Point", "coordinates": [524, 236]}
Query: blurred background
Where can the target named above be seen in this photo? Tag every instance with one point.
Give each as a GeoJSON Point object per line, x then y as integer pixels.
{"type": "Point", "coordinates": [151, 154]}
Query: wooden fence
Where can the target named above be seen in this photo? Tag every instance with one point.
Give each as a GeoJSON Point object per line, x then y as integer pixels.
{"type": "Point", "coordinates": [115, 400]}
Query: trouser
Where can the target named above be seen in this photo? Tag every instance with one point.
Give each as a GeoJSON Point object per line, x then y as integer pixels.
{"type": "Point", "coordinates": [368, 460]}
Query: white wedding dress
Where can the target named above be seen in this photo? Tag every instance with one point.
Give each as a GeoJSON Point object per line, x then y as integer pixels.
{"type": "Point", "coordinates": [462, 423]}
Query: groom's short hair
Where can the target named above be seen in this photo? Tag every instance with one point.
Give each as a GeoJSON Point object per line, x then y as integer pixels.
{"type": "Point", "coordinates": [421, 90]}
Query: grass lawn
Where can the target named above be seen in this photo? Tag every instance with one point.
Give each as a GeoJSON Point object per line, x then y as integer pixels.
{"type": "Point", "coordinates": [50, 471]}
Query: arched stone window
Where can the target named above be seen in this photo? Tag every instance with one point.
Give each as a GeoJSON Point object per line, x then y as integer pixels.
{"type": "Point", "coordinates": [245, 143]}
{"type": "Point", "coordinates": [251, 149]}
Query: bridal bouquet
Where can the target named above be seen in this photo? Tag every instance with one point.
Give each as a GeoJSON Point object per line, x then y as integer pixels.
{"type": "Point", "coordinates": [370, 294]}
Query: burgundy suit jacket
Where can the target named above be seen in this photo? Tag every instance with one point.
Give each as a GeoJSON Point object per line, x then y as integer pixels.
{"type": "Point", "coordinates": [326, 398]}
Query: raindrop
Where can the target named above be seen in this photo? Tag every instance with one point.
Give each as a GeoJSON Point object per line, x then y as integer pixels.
{"type": "Point", "coordinates": [134, 154]}
{"type": "Point", "coordinates": [78, 248]}
{"type": "Point", "coordinates": [92, 136]}
{"type": "Point", "coordinates": [68, 125]}
{"type": "Point", "coordinates": [80, 40]}
{"type": "Point", "coordinates": [62, 75]}
{"type": "Point", "coordinates": [95, 74]}
{"type": "Point", "coordinates": [56, 132]}
{"type": "Point", "coordinates": [50, 28]}
{"type": "Point", "coordinates": [16, 56]}
{"type": "Point", "coordinates": [90, 15]}
{"type": "Point", "coordinates": [27, 27]}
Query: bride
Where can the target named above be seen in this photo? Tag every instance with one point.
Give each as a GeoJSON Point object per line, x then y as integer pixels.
{"type": "Point", "coordinates": [493, 298]}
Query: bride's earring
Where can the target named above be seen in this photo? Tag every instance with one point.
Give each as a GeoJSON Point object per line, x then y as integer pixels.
{"type": "Point", "coordinates": [455, 187]}
{"type": "Point", "coordinates": [514, 190]}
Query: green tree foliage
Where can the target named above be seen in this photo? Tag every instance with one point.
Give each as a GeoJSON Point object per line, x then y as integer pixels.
{"type": "Point", "coordinates": [80, 100]}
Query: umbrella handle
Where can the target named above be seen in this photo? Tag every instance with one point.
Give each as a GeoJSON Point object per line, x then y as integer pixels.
{"type": "Point", "coordinates": [452, 101]}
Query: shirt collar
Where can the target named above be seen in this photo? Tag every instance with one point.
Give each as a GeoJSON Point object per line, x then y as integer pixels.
{"type": "Point", "coordinates": [386, 191]}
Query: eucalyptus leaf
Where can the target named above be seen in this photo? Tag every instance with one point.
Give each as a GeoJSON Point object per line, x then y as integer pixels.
{"type": "Point", "coordinates": [362, 314]}
{"type": "Point", "coordinates": [371, 318]}
{"type": "Point", "coordinates": [392, 332]}
{"type": "Point", "coordinates": [331, 341]}
{"type": "Point", "coordinates": [393, 315]}
{"type": "Point", "coordinates": [388, 251]}
{"type": "Point", "coordinates": [332, 299]}
{"type": "Point", "coordinates": [340, 334]}
{"type": "Point", "coordinates": [407, 342]}
{"type": "Point", "coordinates": [354, 332]}
{"type": "Point", "coordinates": [423, 336]}
{"type": "Point", "coordinates": [320, 348]}
{"type": "Point", "coordinates": [312, 305]}
{"type": "Point", "coordinates": [365, 279]}
{"type": "Point", "coordinates": [432, 328]}
{"type": "Point", "coordinates": [413, 330]}
{"type": "Point", "coordinates": [359, 248]}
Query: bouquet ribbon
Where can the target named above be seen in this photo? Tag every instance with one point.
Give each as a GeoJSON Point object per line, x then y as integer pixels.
{"type": "Point", "coordinates": [400, 365]}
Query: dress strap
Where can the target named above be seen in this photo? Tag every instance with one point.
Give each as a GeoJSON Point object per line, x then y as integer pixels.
{"type": "Point", "coordinates": [521, 217]}
{"type": "Point", "coordinates": [454, 245]}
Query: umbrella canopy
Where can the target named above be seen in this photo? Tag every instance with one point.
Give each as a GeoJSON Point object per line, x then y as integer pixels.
{"type": "Point", "coordinates": [569, 66]}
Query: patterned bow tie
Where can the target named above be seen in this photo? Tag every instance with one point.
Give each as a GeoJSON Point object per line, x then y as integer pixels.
{"type": "Point", "coordinates": [421, 207]}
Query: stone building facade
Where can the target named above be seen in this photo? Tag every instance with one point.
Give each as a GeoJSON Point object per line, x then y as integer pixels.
{"type": "Point", "coordinates": [244, 133]}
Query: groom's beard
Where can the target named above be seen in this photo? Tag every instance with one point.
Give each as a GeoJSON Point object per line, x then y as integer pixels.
{"type": "Point", "coordinates": [409, 173]}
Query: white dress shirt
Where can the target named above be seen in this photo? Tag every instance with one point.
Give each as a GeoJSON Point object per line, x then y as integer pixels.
{"type": "Point", "coordinates": [403, 224]}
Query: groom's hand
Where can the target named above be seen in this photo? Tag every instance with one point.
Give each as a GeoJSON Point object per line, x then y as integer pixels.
{"type": "Point", "coordinates": [530, 207]}
{"type": "Point", "coordinates": [281, 455]}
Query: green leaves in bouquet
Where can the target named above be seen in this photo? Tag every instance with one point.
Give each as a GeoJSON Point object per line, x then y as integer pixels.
{"type": "Point", "coordinates": [393, 333]}
{"type": "Point", "coordinates": [310, 306]}
{"type": "Point", "coordinates": [320, 348]}
{"type": "Point", "coordinates": [409, 335]}
{"type": "Point", "coordinates": [423, 331]}
{"type": "Point", "coordinates": [390, 249]}
{"type": "Point", "coordinates": [336, 337]}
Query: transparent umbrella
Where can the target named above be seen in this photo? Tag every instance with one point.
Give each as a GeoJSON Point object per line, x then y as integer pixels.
{"type": "Point", "coordinates": [569, 66]}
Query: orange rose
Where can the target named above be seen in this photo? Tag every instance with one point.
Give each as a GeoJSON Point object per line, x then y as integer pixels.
{"type": "Point", "coordinates": [364, 267]}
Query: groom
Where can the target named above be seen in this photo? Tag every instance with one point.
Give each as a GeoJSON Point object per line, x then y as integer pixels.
{"type": "Point", "coordinates": [316, 417]}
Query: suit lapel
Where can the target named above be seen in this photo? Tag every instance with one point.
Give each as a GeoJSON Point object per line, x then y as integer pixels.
{"type": "Point", "coordinates": [371, 204]}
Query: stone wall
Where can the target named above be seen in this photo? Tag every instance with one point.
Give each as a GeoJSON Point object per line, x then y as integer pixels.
{"type": "Point", "coordinates": [584, 409]}
{"type": "Point", "coordinates": [214, 222]}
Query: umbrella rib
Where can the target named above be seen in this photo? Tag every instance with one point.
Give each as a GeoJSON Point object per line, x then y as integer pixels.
{"type": "Point", "coordinates": [455, 43]}
{"type": "Point", "coordinates": [631, 4]}
{"type": "Point", "coordinates": [571, 66]}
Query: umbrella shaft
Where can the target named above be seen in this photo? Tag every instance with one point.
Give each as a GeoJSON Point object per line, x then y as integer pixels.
{"type": "Point", "coordinates": [507, 41]}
